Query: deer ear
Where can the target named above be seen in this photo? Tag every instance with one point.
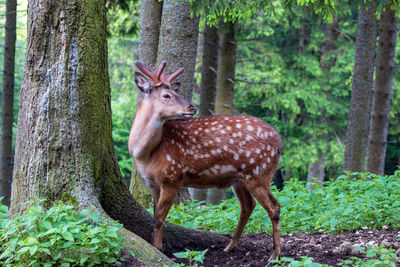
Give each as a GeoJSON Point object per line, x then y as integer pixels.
{"type": "Point", "coordinates": [176, 87]}
{"type": "Point", "coordinates": [142, 83]}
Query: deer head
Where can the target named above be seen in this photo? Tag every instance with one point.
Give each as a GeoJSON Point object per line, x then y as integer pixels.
{"type": "Point", "coordinates": [163, 95]}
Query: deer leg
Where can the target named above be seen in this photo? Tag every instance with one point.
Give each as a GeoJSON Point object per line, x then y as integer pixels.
{"type": "Point", "coordinates": [271, 205]}
{"type": "Point", "coordinates": [156, 198]}
{"type": "Point", "coordinates": [247, 205]}
{"type": "Point", "coordinates": [166, 198]}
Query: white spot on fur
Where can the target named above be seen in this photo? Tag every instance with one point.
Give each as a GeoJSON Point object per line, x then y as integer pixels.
{"type": "Point", "coordinates": [227, 168]}
{"type": "Point", "coordinates": [196, 132]}
{"type": "Point", "coordinates": [168, 157]}
{"type": "Point", "coordinates": [236, 156]}
{"type": "Point", "coordinates": [173, 141]}
{"type": "Point", "coordinates": [258, 151]}
{"type": "Point", "coordinates": [248, 137]}
{"type": "Point", "coordinates": [268, 160]}
{"type": "Point", "coordinates": [268, 147]}
{"type": "Point", "coordinates": [248, 176]}
{"type": "Point", "coordinates": [218, 139]}
{"type": "Point", "coordinates": [272, 153]}
{"type": "Point", "coordinates": [249, 127]}
{"type": "Point", "coordinates": [223, 132]}
{"type": "Point", "coordinates": [264, 165]}
{"type": "Point", "coordinates": [251, 161]}
{"type": "Point", "coordinates": [234, 135]}
{"type": "Point", "coordinates": [229, 128]}
{"type": "Point", "coordinates": [225, 148]}
{"type": "Point", "coordinates": [248, 154]}
{"type": "Point", "coordinates": [239, 134]}
{"type": "Point", "coordinates": [256, 170]}
{"type": "Point", "coordinates": [204, 172]}
{"type": "Point", "coordinates": [207, 131]}
{"type": "Point", "coordinates": [238, 126]}
{"type": "Point", "coordinates": [243, 166]}
{"type": "Point", "coordinates": [231, 141]}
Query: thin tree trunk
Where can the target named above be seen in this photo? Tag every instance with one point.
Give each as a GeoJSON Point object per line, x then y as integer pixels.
{"type": "Point", "coordinates": [226, 72]}
{"type": "Point", "coordinates": [316, 170]}
{"type": "Point", "coordinates": [207, 87]}
{"type": "Point", "coordinates": [225, 86]}
{"type": "Point", "coordinates": [64, 148]}
{"type": "Point", "coordinates": [304, 39]}
{"type": "Point", "coordinates": [358, 124]}
{"type": "Point", "coordinates": [149, 32]}
{"type": "Point", "coordinates": [382, 93]}
{"type": "Point", "coordinates": [209, 72]}
{"type": "Point", "coordinates": [7, 112]}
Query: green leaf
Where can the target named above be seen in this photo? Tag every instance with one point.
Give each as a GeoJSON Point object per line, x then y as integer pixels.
{"type": "Point", "coordinates": [68, 236]}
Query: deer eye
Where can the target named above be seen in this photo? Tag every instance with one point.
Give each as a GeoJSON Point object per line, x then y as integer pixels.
{"type": "Point", "coordinates": [166, 96]}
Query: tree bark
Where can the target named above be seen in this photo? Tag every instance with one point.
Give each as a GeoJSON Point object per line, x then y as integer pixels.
{"type": "Point", "coordinates": [226, 72]}
{"type": "Point", "coordinates": [149, 31]}
{"type": "Point", "coordinates": [316, 170]}
{"type": "Point", "coordinates": [207, 87]}
{"type": "Point", "coordinates": [7, 105]}
{"type": "Point", "coordinates": [178, 42]}
{"type": "Point", "coordinates": [209, 72]}
{"type": "Point", "coordinates": [358, 124]}
{"type": "Point", "coordinates": [225, 86]}
{"type": "Point", "coordinates": [64, 147]}
{"type": "Point", "coordinates": [382, 93]}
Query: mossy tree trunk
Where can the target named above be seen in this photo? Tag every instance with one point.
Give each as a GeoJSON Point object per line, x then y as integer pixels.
{"type": "Point", "coordinates": [64, 146]}
{"type": "Point", "coordinates": [382, 93]}
{"type": "Point", "coordinates": [358, 123]}
{"type": "Point", "coordinates": [7, 104]}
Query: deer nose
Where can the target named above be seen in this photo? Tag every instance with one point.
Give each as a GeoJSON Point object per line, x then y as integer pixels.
{"type": "Point", "coordinates": [192, 109]}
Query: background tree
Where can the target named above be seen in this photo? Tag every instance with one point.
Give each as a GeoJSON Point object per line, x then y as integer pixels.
{"type": "Point", "coordinates": [357, 129]}
{"type": "Point", "coordinates": [225, 88]}
{"type": "Point", "coordinates": [208, 82]}
{"type": "Point", "coordinates": [383, 89]}
{"type": "Point", "coordinates": [64, 148]}
{"type": "Point", "coordinates": [7, 111]}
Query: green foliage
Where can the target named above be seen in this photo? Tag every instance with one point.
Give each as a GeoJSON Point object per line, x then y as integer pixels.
{"type": "Point", "coordinates": [123, 97]}
{"type": "Point", "coordinates": [290, 262]}
{"type": "Point", "coordinates": [343, 204]}
{"type": "Point", "coordinates": [59, 236]}
{"type": "Point", "coordinates": [192, 256]}
{"type": "Point", "coordinates": [375, 256]}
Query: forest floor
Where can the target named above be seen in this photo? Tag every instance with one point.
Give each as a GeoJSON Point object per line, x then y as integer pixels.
{"type": "Point", "coordinates": [255, 249]}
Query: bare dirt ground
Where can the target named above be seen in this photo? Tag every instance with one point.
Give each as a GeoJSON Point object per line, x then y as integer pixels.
{"type": "Point", "coordinates": [255, 249]}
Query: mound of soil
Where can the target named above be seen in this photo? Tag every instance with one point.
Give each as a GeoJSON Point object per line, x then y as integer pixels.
{"type": "Point", "coordinates": [255, 249]}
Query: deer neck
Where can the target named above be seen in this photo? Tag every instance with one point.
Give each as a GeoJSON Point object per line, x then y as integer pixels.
{"type": "Point", "coordinates": [146, 131]}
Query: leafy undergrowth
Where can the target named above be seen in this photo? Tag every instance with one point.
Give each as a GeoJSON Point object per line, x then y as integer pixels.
{"type": "Point", "coordinates": [58, 236]}
{"type": "Point", "coordinates": [346, 203]}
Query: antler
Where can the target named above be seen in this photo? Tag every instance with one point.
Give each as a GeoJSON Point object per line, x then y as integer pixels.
{"type": "Point", "coordinates": [158, 77]}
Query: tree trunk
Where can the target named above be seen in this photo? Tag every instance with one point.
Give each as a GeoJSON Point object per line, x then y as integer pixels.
{"type": "Point", "coordinates": [209, 72]}
{"type": "Point", "coordinates": [178, 42]}
{"type": "Point", "coordinates": [178, 47]}
{"type": "Point", "coordinates": [316, 170]}
{"type": "Point", "coordinates": [357, 129]}
{"type": "Point", "coordinates": [225, 86]}
{"type": "Point", "coordinates": [7, 107]}
{"type": "Point", "coordinates": [149, 32]}
{"type": "Point", "coordinates": [207, 87]}
{"type": "Point", "coordinates": [226, 72]}
{"type": "Point", "coordinates": [304, 39]}
{"type": "Point", "coordinates": [383, 90]}
{"type": "Point", "coordinates": [64, 148]}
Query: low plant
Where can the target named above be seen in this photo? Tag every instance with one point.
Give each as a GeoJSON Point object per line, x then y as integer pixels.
{"type": "Point", "coordinates": [58, 236]}
{"type": "Point", "coordinates": [375, 256]}
{"type": "Point", "coordinates": [304, 262]}
{"type": "Point", "coordinates": [192, 256]}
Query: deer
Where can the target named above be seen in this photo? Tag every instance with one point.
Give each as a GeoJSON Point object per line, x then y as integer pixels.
{"type": "Point", "coordinates": [171, 150]}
